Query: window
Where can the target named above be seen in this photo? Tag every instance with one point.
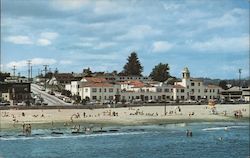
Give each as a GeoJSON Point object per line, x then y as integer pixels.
{"type": "Point", "coordinates": [192, 90]}
{"type": "Point", "coordinates": [100, 97]}
{"type": "Point", "coordinates": [94, 97]}
{"type": "Point", "coordinates": [105, 90]}
{"type": "Point", "coordinates": [110, 89]}
{"type": "Point", "coordinates": [205, 90]}
{"type": "Point", "coordinates": [182, 97]}
{"type": "Point", "coordinates": [100, 90]}
{"type": "Point", "coordinates": [213, 90]}
{"type": "Point", "coordinates": [166, 90]}
{"type": "Point", "coordinates": [192, 84]}
{"type": "Point", "coordinates": [182, 90]}
{"type": "Point", "coordinates": [86, 90]}
{"type": "Point", "coordinates": [177, 90]}
{"type": "Point", "coordinates": [199, 90]}
{"type": "Point", "coordinates": [199, 84]}
{"type": "Point", "coordinates": [94, 90]}
{"type": "Point", "coordinates": [187, 87]}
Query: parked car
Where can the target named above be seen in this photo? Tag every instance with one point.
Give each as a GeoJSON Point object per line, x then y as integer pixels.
{"type": "Point", "coordinates": [44, 103]}
{"type": "Point", "coordinates": [21, 104]}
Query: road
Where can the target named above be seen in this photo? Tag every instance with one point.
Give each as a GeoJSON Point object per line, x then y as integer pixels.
{"type": "Point", "coordinates": [50, 99]}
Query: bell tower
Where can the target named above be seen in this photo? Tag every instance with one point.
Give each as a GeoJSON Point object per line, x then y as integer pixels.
{"type": "Point", "coordinates": [185, 73]}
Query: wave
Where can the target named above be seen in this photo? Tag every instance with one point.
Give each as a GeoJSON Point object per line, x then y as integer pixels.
{"type": "Point", "coordinates": [223, 128]}
{"type": "Point", "coordinates": [70, 136]}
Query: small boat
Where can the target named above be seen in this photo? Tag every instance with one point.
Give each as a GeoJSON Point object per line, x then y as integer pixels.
{"type": "Point", "coordinates": [113, 130]}
{"type": "Point", "coordinates": [56, 132]}
{"type": "Point", "coordinates": [99, 131]}
{"type": "Point", "coordinates": [76, 132]}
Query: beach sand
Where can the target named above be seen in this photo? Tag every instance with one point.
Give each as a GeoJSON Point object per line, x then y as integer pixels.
{"type": "Point", "coordinates": [123, 116]}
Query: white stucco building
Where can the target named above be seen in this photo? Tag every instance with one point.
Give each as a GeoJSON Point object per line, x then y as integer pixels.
{"type": "Point", "coordinates": [193, 89]}
{"type": "Point", "coordinates": [102, 90]}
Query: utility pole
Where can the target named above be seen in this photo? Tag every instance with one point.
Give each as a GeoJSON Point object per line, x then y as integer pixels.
{"type": "Point", "coordinates": [31, 73]}
{"type": "Point", "coordinates": [14, 70]}
{"type": "Point", "coordinates": [240, 79]}
{"type": "Point", "coordinates": [45, 72]}
{"type": "Point", "coordinates": [28, 63]}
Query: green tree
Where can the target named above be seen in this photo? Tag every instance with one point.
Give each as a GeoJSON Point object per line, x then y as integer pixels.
{"type": "Point", "coordinates": [133, 66]}
{"type": "Point", "coordinates": [87, 72]}
{"type": "Point", "coordinates": [223, 84]}
{"type": "Point", "coordinates": [160, 72]}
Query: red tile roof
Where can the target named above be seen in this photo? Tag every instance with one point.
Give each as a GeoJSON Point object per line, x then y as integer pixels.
{"type": "Point", "coordinates": [178, 86]}
{"type": "Point", "coordinates": [97, 85]}
{"type": "Point", "coordinates": [95, 79]}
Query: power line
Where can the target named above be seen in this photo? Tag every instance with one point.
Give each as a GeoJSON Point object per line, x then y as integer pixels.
{"type": "Point", "coordinates": [14, 70]}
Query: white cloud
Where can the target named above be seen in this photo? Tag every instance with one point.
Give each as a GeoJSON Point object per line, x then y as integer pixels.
{"type": "Point", "coordinates": [219, 44]}
{"type": "Point", "coordinates": [139, 32]}
{"type": "Point", "coordinates": [19, 40]}
{"type": "Point", "coordinates": [231, 18]}
{"type": "Point", "coordinates": [68, 5]}
{"type": "Point", "coordinates": [104, 45]}
{"type": "Point", "coordinates": [162, 46]}
{"type": "Point", "coordinates": [43, 42]}
{"type": "Point", "coordinates": [65, 62]}
{"type": "Point", "coordinates": [49, 35]}
{"type": "Point", "coordinates": [107, 7]}
{"type": "Point", "coordinates": [34, 61]}
{"type": "Point", "coordinates": [225, 20]}
{"type": "Point", "coordinates": [46, 38]}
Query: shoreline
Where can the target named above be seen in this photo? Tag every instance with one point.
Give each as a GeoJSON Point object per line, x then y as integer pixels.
{"type": "Point", "coordinates": [135, 116]}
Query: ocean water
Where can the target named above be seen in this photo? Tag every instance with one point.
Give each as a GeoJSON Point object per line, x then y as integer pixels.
{"type": "Point", "coordinates": [154, 141]}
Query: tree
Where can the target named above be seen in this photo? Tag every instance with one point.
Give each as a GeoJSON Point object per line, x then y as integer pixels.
{"type": "Point", "coordinates": [160, 72]}
{"type": "Point", "coordinates": [66, 93]}
{"type": "Point", "coordinates": [87, 72]}
{"type": "Point", "coordinates": [223, 84]}
{"type": "Point", "coordinates": [133, 66]}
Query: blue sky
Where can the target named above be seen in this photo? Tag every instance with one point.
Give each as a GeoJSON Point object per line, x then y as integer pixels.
{"type": "Point", "coordinates": [211, 37]}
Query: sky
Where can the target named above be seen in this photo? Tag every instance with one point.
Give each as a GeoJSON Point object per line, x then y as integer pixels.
{"type": "Point", "coordinates": [210, 37]}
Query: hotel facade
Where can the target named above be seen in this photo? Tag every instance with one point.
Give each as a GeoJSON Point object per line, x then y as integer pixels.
{"type": "Point", "coordinates": [100, 89]}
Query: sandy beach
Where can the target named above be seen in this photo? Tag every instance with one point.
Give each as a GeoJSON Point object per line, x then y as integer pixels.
{"type": "Point", "coordinates": [123, 116]}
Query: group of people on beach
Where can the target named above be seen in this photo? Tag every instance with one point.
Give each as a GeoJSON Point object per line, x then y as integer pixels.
{"type": "Point", "coordinates": [238, 114]}
{"type": "Point", "coordinates": [27, 129]}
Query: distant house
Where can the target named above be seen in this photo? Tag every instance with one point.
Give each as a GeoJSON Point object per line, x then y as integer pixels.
{"type": "Point", "coordinates": [246, 94]}
{"type": "Point", "coordinates": [62, 78]}
{"type": "Point", "coordinates": [16, 92]}
{"type": "Point", "coordinates": [232, 93]}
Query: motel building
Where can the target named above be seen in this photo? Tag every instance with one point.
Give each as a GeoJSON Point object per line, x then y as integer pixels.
{"type": "Point", "coordinates": [99, 89]}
